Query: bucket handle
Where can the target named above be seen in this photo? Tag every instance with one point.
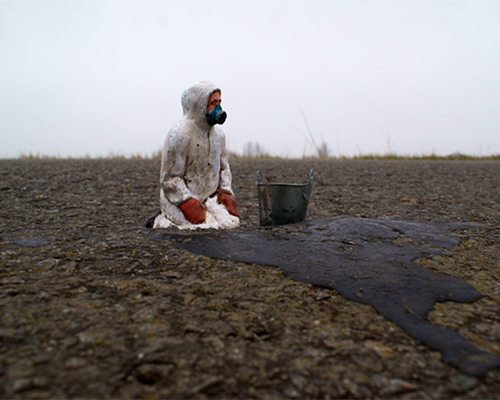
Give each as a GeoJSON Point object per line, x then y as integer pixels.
{"type": "Point", "coordinates": [306, 192]}
{"type": "Point", "coordinates": [258, 180]}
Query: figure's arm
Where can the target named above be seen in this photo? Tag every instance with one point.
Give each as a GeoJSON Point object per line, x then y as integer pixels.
{"type": "Point", "coordinates": [226, 177]}
{"type": "Point", "coordinates": [226, 195]}
{"type": "Point", "coordinates": [173, 168]}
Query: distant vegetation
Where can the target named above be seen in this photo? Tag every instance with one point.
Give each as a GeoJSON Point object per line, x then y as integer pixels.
{"type": "Point", "coordinates": [421, 157]}
{"type": "Point", "coordinates": [135, 156]}
{"type": "Point", "coordinates": [322, 149]}
{"type": "Point", "coordinates": [256, 151]}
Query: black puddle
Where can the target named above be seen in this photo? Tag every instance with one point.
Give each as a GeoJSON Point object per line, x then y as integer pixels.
{"type": "Point", "coordinates": [33, 242]}
{"type": "Point", "coordinates": [359, 259]}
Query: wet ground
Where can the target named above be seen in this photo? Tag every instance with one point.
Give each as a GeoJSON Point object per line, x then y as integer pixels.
{"type": "Point", "coordinates": [93, 307]}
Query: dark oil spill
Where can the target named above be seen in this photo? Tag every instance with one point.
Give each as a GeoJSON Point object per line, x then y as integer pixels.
{"type": "Point", "coordinates": [33, 242]}
{"type": "Point", "coordinates": [359, 259]}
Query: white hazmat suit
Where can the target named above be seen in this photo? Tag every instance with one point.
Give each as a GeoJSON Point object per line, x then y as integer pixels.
{"type": "Point", "coordinates": [195, 165]}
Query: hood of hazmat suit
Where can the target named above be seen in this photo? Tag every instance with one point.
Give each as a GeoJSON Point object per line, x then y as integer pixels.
{"type": "Point", "coordinates": [194, 159]}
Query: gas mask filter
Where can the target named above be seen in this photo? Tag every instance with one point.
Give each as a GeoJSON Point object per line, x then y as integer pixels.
{"type": "Point", "coordinates": [216, 116]}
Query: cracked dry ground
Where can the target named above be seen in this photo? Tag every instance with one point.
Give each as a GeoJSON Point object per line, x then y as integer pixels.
{"type": "Point", "coordinates": [101, 310]}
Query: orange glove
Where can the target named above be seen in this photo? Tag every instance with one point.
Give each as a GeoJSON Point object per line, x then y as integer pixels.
{"type": "Point", "coordinates": [194, 211]}
{"type": "Point", "coordinates": [229, 201]}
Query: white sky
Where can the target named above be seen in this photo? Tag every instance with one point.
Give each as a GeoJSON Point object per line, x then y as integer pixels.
{"type": "Point", "coordinates": [371, 76]}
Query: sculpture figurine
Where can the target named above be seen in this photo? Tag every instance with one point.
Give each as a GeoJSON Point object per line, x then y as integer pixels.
{"type": "Point", "coordinates": [195, 178]}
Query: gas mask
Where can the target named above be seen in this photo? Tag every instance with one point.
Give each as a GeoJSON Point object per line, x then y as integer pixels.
{"type": "Point", "coordinates": [216, 116]}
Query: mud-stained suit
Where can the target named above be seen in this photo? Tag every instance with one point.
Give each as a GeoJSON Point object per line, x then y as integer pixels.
{"type": "Point", "coordinates": [195, 165]}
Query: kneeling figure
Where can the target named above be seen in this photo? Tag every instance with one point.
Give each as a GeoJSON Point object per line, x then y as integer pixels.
{"type": "Point", "coordinates": [195, 176]}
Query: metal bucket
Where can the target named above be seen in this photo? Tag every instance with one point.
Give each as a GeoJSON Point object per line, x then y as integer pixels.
{"type": "Point", "coordinates": [283, 203]}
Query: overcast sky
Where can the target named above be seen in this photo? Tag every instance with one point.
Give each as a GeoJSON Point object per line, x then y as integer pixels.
{"type": "Point", "coordinates": [370, 76]}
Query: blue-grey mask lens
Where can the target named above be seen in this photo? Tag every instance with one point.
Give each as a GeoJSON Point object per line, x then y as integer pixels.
{"type": "Point", "coordinates": [217, 116]}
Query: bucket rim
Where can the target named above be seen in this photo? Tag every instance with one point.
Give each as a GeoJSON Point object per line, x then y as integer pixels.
{"type": "Point", "coordinates": [259, 182]}
{"type": "Point", "coordinates": [301, 185]}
